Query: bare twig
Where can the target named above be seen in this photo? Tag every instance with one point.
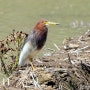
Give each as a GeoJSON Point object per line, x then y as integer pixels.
{"type": "Point", "coordinates": [56, 46]}
{"type": "Point", "coordinates": [36, 84]}
{"type": "Point", "coordinates": [79, 50]}
{"type": "Point", "coordinates": [69, 58]}
{"type": "Point", "coordinates": [50, 49]}
{"type": "Point", "coordinates": [3, 82]}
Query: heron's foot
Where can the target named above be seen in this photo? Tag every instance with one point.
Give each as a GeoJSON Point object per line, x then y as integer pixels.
{"type": "Point", "coordinates": [32, 66]}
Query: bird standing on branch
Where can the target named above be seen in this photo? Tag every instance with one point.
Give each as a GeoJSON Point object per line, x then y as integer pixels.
{"type": "Point", "coordinates": [34, 42]}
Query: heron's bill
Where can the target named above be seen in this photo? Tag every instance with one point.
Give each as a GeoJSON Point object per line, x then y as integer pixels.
{"type": "Point", "coordinates": [51, 23]}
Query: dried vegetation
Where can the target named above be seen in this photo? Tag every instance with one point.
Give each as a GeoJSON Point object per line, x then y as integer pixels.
{"type": "Point", "coordinates": [67, 68]}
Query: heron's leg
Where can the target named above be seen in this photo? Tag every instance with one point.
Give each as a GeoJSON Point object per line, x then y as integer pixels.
{"type": "Point", "coordinates": [31, 60]}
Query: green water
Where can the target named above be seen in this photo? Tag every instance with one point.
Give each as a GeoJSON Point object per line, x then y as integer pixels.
{"type": "Point", "coordinates": [22, 15]}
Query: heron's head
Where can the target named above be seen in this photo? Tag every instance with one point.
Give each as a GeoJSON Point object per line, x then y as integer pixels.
{"type": "Point", "coordinates": [44, 24]}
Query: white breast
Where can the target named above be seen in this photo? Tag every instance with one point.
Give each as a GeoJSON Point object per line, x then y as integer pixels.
{"type": "Point", "coordinates": [27, 51]}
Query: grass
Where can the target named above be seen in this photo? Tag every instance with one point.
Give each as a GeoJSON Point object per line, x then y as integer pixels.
{"type": "Point", "coordinates": [22, 15]}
